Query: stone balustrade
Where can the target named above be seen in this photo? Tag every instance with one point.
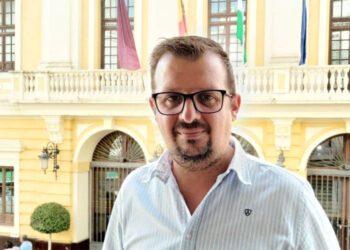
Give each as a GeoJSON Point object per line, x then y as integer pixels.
{"type": "Point", "coordinates": [300, 84]}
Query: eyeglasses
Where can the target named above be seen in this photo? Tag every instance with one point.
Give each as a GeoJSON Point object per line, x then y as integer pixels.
{"type": "Point", "coordinates": [205, 102]}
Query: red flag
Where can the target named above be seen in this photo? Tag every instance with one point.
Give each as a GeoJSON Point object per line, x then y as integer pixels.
{"type": "Point", "coordinates": [127, 55]}
{"type": "Point", "coordinates": [182, 19]}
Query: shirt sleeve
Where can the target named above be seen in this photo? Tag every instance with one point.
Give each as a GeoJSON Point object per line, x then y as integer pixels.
{"type": "Point", "coordinates": [315, 229]}
{"type": "Point", "coordinates": [113, 237]}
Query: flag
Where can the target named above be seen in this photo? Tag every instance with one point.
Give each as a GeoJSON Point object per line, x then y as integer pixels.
{"type": "Point", "coordinates": [127, 55]}
{"type": "Point", "coordinates": [240, 27]}
{"type": "Point", "coordinates": [303, 34]}
{"type": "Point", "coordinates": [182, 19]}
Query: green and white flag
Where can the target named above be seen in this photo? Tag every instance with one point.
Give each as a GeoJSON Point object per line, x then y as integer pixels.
{"type": "Point", "coordinates": [240, 27]}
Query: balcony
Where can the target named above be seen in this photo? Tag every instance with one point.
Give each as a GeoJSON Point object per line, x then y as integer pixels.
{"type": "Point", "coordinates": [301, 88]}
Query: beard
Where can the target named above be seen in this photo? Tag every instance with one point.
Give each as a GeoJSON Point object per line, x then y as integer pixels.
{"type": "Point", "coordinates": [193, 154]}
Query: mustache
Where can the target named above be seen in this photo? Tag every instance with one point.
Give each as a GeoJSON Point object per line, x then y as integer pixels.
{"type": "Point", "coordinates": [194, 124]}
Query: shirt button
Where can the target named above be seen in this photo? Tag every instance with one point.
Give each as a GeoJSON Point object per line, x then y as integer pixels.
{"type": "Point", "coordinates": [189, 236]}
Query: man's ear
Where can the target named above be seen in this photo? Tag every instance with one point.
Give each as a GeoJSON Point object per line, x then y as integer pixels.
{"type": "Point", "coordinates": [152, 105]}
{"type": "Point", "coordinates": [235, 105]}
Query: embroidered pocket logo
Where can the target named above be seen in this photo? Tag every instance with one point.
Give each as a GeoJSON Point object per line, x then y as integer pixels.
{"type": "Point", "coordinates": [248, 211]}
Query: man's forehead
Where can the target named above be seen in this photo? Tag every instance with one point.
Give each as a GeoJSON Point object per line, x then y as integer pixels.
{"type": "Point", "coordinates": [175, 72]}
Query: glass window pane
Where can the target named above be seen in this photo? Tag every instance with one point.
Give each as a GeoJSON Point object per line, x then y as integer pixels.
{"type": "Point", "coordinates": [336, 8]}
{"type": "Point", "coordinates": [107, 60]}
{"type": "Point", "coordinates": [8, 6]}
{"type": "Point", "coordinates": [113, 3]}
{"type": "Point", "coordinates": [107, 42]}
{"type": "Point", "coordinates": [336, 35]}
{"type": "Point", "coordinates": [114, 12]}
{"type": "Point", "coordinates": [233, 5]}
{"type": "Point", "coordinates": [107, 51]}
{"type": "Point", "coordinates": [214, 7]}
{"type": "Point", "coordinates": [335, 45]}
{"type": "Point", "coordinates": [346, 8]}
{"type": "Point", "coordinates": [8, 19]}
{"type": "Point", "coordinates": [131, 12]}
{"type": "Point", "coordinates": [345, 45]}
{"type": "Point", "coordinates": [335, 54]}
{"type": "Point", "coordinates": [222, 7]}
{"type": "Point", "coordinates": [345, 35]}
{"type": "Point", "coordinates": [345, 54]}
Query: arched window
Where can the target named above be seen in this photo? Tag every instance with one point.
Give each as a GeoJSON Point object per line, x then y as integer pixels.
{"type": "Point", "coordinates": [118, 147]}
{"type": "Point", "coordinates": [109, 31]}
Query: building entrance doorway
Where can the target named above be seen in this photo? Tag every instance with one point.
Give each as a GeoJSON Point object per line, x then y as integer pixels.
{"type": "Point", "coordinates": [115, 156]}
{"type": "Point", "coordinates": [328, 171]}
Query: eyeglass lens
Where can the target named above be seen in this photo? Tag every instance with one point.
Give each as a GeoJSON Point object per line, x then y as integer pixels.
{"type": "Point", "coordinates": [204, 101]}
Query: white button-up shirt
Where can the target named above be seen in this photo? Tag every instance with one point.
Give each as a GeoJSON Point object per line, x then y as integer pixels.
{"type": "Point", "coordinates": [252, 206]}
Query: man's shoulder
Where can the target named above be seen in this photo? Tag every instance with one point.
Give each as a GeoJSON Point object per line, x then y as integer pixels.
{"type": "Point", "coordinates": [262, 171]}
{"type": "Point", "coordinates": [140, 174]}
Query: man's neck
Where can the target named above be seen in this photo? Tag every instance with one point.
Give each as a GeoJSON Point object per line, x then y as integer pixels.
{"type": "Point", "coordinates": [194, 185]}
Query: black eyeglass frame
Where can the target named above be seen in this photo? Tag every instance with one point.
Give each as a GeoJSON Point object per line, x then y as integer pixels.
{"type": "Point", "coordinates": [185, 96]}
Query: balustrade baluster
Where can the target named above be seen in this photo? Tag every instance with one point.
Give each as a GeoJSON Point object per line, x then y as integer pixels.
{"type": "Point", "coordinates": [127, 82]}
{"type": "Point", "coordinates": [55, 84]}
{"type": "Point", "coordinates": [118, 85]}
{"type": "Point", "coordinates": [71, 84]}
{"type": "Point", "coordinates": [338, 81]}
{"type": "Point", "coordinates": [342, 80]}
{"type": "Point", "coordinates": [306, 83]}
{"type": "Point", "coordinates": [97, 82]}
{"type": "Point", "coordinates": [80, 85]}
{"type": "Point", "coordinates": [346, 80]}
{"type": "Point", "coordinates": [318, 81]}
{"type": "Point", "coordinates": [263, 81]}
{"type": "Point", "coordinates": [90, 82]}
{"type": "Point", "coordinates": [324, 80]}
{"type": "Point", "coordinates": [332, 81]}
{"type": "Point", "coordinates": [292, 87]}
{"type": "Point", "coordinates": [299, 76]}
{"type": "Point", "coordinates": [102, 83]}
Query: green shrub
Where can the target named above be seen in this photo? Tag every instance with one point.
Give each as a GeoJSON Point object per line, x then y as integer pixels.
{"type": "Point", "coordinates": [50, 218]}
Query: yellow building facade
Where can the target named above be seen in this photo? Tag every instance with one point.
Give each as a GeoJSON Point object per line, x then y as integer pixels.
{"type": "Point", "coordinates": [59, 91]}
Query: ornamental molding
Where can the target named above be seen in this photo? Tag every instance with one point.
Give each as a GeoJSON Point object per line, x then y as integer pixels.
{"type": "Point", "coordinates": [54, 126]}
{"type": "Point", "coordinates": [283, 133]}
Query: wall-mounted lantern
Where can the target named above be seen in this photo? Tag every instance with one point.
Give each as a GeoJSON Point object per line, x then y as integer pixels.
{"type": "Point", "coordinates": [49, 152]}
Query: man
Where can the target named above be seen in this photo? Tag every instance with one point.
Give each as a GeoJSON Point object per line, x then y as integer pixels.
{"type": "Point", "coordinates": [204, 192]}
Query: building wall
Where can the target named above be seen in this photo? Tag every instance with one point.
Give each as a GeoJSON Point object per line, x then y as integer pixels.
{"type": "Point", "coordinates": [80, 135]}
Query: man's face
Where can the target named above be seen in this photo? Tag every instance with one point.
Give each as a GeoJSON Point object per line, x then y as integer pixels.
{"type": "Point", "coordinates": [195, 140]}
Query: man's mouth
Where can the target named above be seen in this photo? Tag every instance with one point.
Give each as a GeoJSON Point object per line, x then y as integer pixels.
{"type": "Point", "coordinates": [191, 133]}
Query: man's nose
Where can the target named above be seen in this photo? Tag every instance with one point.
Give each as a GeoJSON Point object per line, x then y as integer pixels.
{"type": "Point", "coordinates": [189, 112]}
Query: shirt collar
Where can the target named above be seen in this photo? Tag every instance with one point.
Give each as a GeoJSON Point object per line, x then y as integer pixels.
{"type": "Point", "coordinates": [240, 161]}
{"type": "Point", "coordinates": [239, 164]}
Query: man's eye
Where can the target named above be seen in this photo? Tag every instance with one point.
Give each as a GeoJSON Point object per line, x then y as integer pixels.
{"type": "Point", "coordinates": [174, 98]}
{"type": "Point", "coordinates": [206, 98]}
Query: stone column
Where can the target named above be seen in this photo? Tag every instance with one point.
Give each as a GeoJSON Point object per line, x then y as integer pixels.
{"type": "Point", "coordinates": [61, 34]}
